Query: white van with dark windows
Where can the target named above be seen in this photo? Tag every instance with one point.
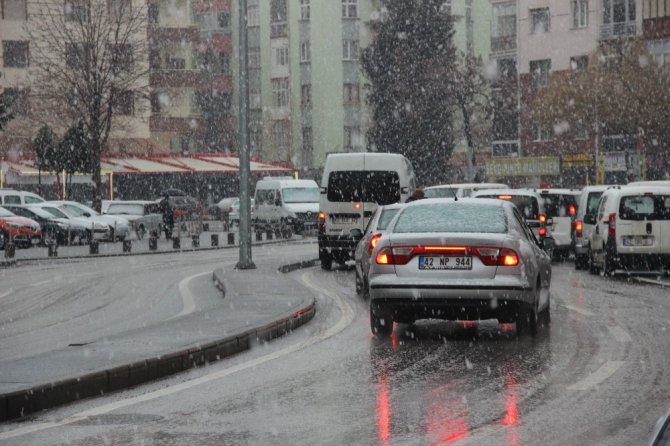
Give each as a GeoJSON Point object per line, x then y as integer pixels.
{"type": "Point", "coordinates": [11, 196]}
{"type": "Point", "coordinates": [352, 187]}
{"type": "Point", "coordinates": [286, 203]}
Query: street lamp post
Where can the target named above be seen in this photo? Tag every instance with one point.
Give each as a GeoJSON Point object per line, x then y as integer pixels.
{"type": "Point", "coordinates": [245, 261]}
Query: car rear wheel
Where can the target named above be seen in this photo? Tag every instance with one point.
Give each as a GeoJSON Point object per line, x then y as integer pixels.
{"type": "Point", "coordinates": [381, 326]}
{"type": "Point", "coordinates": [528, 318]}
{"type": "Point", "coordinates": [593, 268]}
{"type": "Point", "coordinates": [581, 262]}
{"type": "Point", "coordinates": [359, 283]}
{"type": "Point", "coordinates": [326, 261]}
{"type": "Point", "coordinates": [140, 232]}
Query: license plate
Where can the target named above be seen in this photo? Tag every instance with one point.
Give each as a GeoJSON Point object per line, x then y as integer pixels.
{"type": "Point", "coordinates": [344, 220]}
{"type": "Point", "coordinates": [445, 262]}
{"type": "Point", "coordinates": [638, 241]}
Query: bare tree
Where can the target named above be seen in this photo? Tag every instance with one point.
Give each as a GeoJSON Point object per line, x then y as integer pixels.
{"type": "Point", "coordinates": [91, 65]}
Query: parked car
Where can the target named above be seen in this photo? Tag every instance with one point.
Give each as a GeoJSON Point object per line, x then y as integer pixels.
{"type": "Point", "coordinates": [373, 232]}
{"type": "Point", "coordinates": [560, 205]}
{"type": "Point", "coordinates": [587, 204]}
{"type": "Point", "coordinates": [144, 216]}
{"type": "Point", "coordinates": [54, 229]}
{"type": "Point", "coordinates": [632, 230]}
{"type": "Point", "coordinates": [459, 189]}
{"type": "Point", "coordinates": [119, 227]}
{"type": "Point", "coordinates": [24, 232]}
{"type": "Point", "coordinates": [82, 230]}
{"type": "Point", "coordinates": [469, 259]}
{"type": "Point", "coordinates": [530, 205]}
{"type": "Point", "coordinates": [11, 196]}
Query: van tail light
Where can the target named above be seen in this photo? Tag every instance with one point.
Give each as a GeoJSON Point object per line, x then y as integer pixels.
{"type": "Point", "coordinates": [322, 222]}
{"type": "Point", "coordinates": [373, 242]}
{"type": "Point", "coordinates": [542, 231]}
{"type": "Point", "coordinates": [579, 228]}
{"type": "Point", "coordinates": [611, 225]}
{"type": "Point", "coordinates": [489, 256]}
{"type": "Point", "coordinates": [542, 218]}
{"type": "Point", "coordinates": [572, 210]}
{"type": "Point", "coordinates": [179, 212]}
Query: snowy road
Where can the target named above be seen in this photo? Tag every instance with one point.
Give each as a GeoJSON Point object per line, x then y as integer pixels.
{"type": "Point", "coordinates": [599, 375]}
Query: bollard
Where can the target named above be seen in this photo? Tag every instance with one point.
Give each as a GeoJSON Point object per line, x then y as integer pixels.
{"type": "Point", "coordinates": [127, 246]}
{"type": "Point", "coordinates": [153, 242]}
{"type": "Point", "coordinates": [10, 250]}
{"type": "Point", "coordinates": [278, 233]}
{"type": "Point", "coordinates": [259, 236]}
{"type": "Point", "coordinates": [268, 235]}
{"type": "Point", "coordinates": [176, 243]}
{"type": "Point", "coordinates": [93, 247]}
{"type": "Point", "coordinates": [231, 238]}
{"type": "Point", "coordinates": [195, 240]}
{"type": "Point", "coordinates": [205, 227]}
{"type": "Point", "coordinates": [53, 249]}
{"type": "Point", "coordinates": [215, 240]}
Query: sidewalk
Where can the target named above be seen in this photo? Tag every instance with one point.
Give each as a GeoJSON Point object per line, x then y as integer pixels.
{"type": "Point", "coordinates": [259, 305]}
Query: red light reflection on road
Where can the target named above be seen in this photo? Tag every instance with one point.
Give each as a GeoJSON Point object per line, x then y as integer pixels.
{"type": "Point", "coordinates": [511, 418]}
{"type": "Point", "coordinates": [383, 410]}
{"type": "Point", "coordinates": [447, 421]}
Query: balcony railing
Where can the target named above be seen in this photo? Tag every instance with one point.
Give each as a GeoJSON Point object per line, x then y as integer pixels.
{"type": "Point", "coordinates": [505, 43]}
{"type": "Point", "coordinates": [613, 30]}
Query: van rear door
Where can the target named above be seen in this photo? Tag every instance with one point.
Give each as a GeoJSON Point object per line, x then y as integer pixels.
{"type": "Point", "coordinates": [639, 229]}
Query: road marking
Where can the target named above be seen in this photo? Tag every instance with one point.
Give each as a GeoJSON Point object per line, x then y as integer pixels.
{"type": "Point", "coordinates": [579, 310]}
{"type": "Point", "coordinates": [6, 293]}
{"type": "Point", "coordinates": [605, 371]}
{"type": "Point", "coordinates": [187, 298]}
{"type": "Point", "coordinates": [620, 334]}
{"type": "Point", "coordinates": [345, 320]}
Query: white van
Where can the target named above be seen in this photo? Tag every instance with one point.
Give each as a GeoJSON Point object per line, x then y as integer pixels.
{"type": "Point", "coordinates": [11, 196]}
{"type": "Point", "coordinates": [631, 230]}
{"type": "Point", "coordinates": [560, 205]}
{"type": "Point", "coordinates": [286, 203]}
{"type": "Point", "coordinates": [460, 189]}
{"type": "Point", "coordinates": [352, 187]}
{"type": "Point", "coordinates": [587, 204]}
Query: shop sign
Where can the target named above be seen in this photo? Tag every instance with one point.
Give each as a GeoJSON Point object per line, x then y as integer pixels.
{"type": "Point", "coordinates": [526, 166]}
{"type": "Point", "coordinates": [615, 162]}
{"type": "Point", "coordinates": [577, 160]}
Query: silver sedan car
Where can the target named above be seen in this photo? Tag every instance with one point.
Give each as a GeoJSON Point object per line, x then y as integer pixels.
{"type": "Point", "coordinates": [373, 232]}
{"type": "Point", "coordinates": [465, 259]}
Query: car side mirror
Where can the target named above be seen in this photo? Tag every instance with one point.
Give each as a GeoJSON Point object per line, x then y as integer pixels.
{"type": "Point", "coordinates": [547, 243]}
{"type": "Point", "coordinates": [277, 202]}
{"type": "Point", "coordinates": [590, 219]}
{"type": "Point", "coordinates": [356, 233]}
{"type": "Point", "coordinates": [323, 190]}
{"type": "Point", "coordinates": [550, 221]}
{"type": "Point", "coordinates": [86, 214]}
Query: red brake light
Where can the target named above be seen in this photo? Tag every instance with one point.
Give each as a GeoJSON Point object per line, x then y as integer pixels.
{"type": "Point", "coordinates": [373, 242]}
{"type": "Point", "coordinates": [611, 225]}
{"type": "Point", "coordinates": [322, 216]}
{"type": "Point", "coordinates": [579, 228]}
{"type": "Point", "coordinates": [543, 232]}
{"type": "Point", "coordinates": [572, 210]}
{"type": "Point", "coordinates": [488, 256]}
{"type": "Point", "coordinates": [449, 249]}
{"type": "Point", "coordinates": [542, 218]}
{"type": "Point", "coordinates": [384, 257]}
{"type": "Point", "coordinates": [508, 258]}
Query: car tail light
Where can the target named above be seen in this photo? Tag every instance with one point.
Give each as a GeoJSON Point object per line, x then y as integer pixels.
{"type": "Point", "coordinates": [543, 232]}
{"type": "Point", "coordinates": [572, 210]}
{"type": "Point", "coordinates": [373, 242]}
{"type": "Point", "coordinates": [611, 225]}
{"type": "Point", "coordinates": [357, 205]}
{"type": "Point", "coordinates": [504, 197]}
{"type": "Point", "coordinates": [384, 257]}
{"type": "Point", "coordinates": [179, 212]}
{"type": "Point", "coordinates": [579, 228]}
{"type": "Point", "coordinates": [322, 222]}
{"type": "Point", "coordinates": [542, 218]}
{"type": "Point", "coordinates": [396, 255]}
{"type": "Point", "coordinates": [488, 256]}
{"type": "Point", "coordinates": [508, 258]}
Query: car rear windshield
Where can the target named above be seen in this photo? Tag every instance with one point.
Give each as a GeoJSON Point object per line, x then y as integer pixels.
{"type": "Point", "coordinates": [440, 192]}
{"type": "Point", "coordinates": [125, 209]}
{"type": "Point", "coordinates": [386, 217]}
{"type": "Point", "coordinates": [452, 217]}
{"type": "Point", "coordinates": [526, 204]}
{"type": "Point", "coordinates": [301, 195]}
{"type": "Point", "coordinates": [558, 205]}
{"type": "Point", "coordinates": [645, 207]}
{"type": "Point", "coordinates": [370, 186]}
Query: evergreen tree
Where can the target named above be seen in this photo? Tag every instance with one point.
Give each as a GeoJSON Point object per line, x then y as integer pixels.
{"type": "Point", "coordinates": [44, 146]}
{"type": "Point", "coordinates": [408, 65]}
{"type": "Point", "coordinates": [5, 112]}
{"type": "Point", "coordinates": [74, 152]}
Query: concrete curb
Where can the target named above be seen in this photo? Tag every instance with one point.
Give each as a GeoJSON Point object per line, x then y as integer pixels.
{"type": "Point", "coordinates": [23, 402]}
{"type": "Point", "coordinates": [660, 283]}
{"type": "Point", "coordinates": [4, 263]}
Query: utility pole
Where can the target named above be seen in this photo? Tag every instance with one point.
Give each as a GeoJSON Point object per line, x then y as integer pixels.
{"type": "Point", "coordinates": [245, 261]}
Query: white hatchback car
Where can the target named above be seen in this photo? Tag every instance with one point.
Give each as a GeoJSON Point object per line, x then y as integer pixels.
{"type": "Point", "coordinates": [631, 230]}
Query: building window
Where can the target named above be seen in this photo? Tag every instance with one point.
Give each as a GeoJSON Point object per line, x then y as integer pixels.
{"type": "Point", "coordinates": [179, 144]}
{"type": "Point", "coordinates": [305, 51]}
{"type": "Point", "coordinates": [307, 146]}
{"type": "Point", "coordinates": [281, 56]}
{"type": "Point", "coordinates": [540, 133]}
{"type": "Point", "coordinates": [580, 13]}
{"type": "Point", "coordinates": [76, 10]}
{"type": "Point", "coordinates": [306, 95]}
{"type": "Point", "coordinates": [280, 90]}
{"type": "Point", "coordinates": [539, 21]}
{"type": "Point", "coordinates": [281, 133]}
{"type": "Point", "coordinates": [618, 18]}
{"type": "Point", "coordinates": [506, 149]}
{"type": "Point", "coordinates": [304, 10]}
{"type": "Point", "coordinates": [223, 20]}
{"type": "Point", "coordinates": [503, 27]}
{"type": "Point", "coordinates": [352, 138]}
{"type": "Point", "coordinates": [155, 102]}
{"type": "Point", "coordinates": [124, 103]}
{"type": "Point", "coordinates": [581, 130]}
{"type": "Point", "coordinates": [253, 15]}
{"type": "Point", "coordinates": [152, 13]}
{"type": "Point", "coordinates": [14, 10]}
{"type": "Point", "coordinates": [18, 101]}
{"type": "Point", "coordinates": [351, 94]}
{"type": "Point", "coordinates": [579, 64]}
{"type": "Point", "coordinates": [539, 70]}
{"type": "Point", "coordinates": [254, 55]}
{"type": "Point", "coordinates": [656, 8]}
{"type": "Point", "coordinates": [15, 54]}
{"type": "Point", "coordinates": [349, 9]}
{"type": "Point", "coordinates": [255, 99]}
{"type": "Point", "coordinates": [122, 58]}
{"type": "Point", "coordinates": [278, 18]}
{"type": "Point", "coordinates": [350, 49]}
{"type": "Point", "coordinates": [660, 50]}
{"type": "Point", "coordinates": [175, 63]}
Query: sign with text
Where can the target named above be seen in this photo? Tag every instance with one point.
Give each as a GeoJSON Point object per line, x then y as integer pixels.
{"type": "Point", "coordinates": [577, 160]}
{"type": "Point", "coordinates": [526, 166]}
{"type": "Point", "coordinates": [615, 162]}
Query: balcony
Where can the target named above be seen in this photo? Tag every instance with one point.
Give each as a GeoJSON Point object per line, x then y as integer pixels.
{"type": "Point", "coordinates": [614, 30]}
{"type": "Point", "coordinates": [503, 44]}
